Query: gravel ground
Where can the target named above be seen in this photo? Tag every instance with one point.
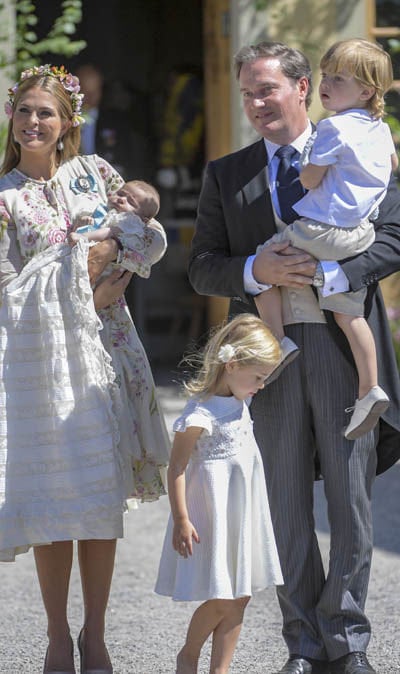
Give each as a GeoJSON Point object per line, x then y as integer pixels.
{"type": "Point", "coordinates": [144, 631]}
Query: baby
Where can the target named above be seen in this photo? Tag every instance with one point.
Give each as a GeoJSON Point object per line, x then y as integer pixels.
{"type": "Point", "coordinates": [127, 212]}
{"type": "Point", "coordinates": [135, 204]}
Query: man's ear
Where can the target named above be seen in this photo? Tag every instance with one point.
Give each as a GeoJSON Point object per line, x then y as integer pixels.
{"type": "Point", "coordinates": [303, 87]}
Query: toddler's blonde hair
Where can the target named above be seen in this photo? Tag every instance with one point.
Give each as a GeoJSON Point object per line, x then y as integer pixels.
{"type": "Point", "coordinates": [367, 62]}
{"type": "Point", "coordinates": [253, 344]}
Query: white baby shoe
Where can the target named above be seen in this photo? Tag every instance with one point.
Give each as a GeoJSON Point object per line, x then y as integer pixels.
{"type": "Point", "coordinates": [366, 413]}
{"type": "Point", "coordinates": [289, 352]}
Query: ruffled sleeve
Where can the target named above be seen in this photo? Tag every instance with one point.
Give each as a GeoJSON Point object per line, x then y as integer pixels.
{"type": "Point", "coordinates": [193, 415]}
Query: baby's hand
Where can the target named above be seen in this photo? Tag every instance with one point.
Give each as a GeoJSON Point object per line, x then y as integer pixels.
{"type": "Point", "coordinates": [73, 238]}
{"type": "Point", "coordinates": [182, 538]}
{"type": "Point", "coordinates": [82, 220]}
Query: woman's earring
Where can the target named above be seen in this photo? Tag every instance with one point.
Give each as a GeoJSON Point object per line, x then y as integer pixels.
{"type": "Point", "coordinates": [60, 145]}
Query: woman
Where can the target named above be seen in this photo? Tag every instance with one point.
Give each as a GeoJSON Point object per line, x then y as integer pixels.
{"type": "Point", "coordinates": [80, 428]}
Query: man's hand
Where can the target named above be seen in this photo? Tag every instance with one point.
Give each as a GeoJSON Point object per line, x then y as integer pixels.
{"type": "Point", "coordinates": [111, 288]}
{"type": "Point", "coordinates": [99, 257]}
{"type": "Point", "coordinates": [282, 265]}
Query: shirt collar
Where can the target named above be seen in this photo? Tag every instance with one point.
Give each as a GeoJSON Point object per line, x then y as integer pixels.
{"type": "Point", "coordinates": [298, 143]}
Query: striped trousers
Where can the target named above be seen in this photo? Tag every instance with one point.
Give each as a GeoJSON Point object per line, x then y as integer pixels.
{"type": "Point", "coordinates": [301, 413]}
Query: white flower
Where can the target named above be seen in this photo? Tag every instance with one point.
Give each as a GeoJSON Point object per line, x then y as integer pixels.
{"type": "Point", "coordinates": [226, 353]}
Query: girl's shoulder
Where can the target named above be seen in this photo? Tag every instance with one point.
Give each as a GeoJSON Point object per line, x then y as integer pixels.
{"type": "Point", "coordinates": [210, 411]}
{"type": "Point", "coordinates": [196, 412]}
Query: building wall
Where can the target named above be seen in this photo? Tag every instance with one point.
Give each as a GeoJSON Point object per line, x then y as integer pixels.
{"type": "Point", "coordinates": [309, 25]}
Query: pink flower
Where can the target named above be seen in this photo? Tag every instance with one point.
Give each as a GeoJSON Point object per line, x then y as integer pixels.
{"type": "Point", "coordinates": [71, 83]}
{"type": "Point", "coordinates": [8, 109]}
{"type": "Point", "coordinates": [56, 236]}
{"type": "Point", "coordinates": [30, 238]}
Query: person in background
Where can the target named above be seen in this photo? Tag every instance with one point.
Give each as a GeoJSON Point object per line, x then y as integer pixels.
{"type": "Point", "coordinates": [81, 432]}
{"type": "Point", "coordinates": [107, 131]}
{"type": "Point", "coordinates": [181, 147]}
{"type": "Point", "coordinates": [298, 418]}
{"type": "Point", "coordinates": [219, 546]}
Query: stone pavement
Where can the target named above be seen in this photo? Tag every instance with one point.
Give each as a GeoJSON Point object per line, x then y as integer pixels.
{"type": "Point", "coordinates": [145, 631]}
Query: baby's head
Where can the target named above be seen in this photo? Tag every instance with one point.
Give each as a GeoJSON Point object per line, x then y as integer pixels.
{"type": "Point", "coordinates": [367, 62]}
{"type": "Point", "coordinates": [136, 196]}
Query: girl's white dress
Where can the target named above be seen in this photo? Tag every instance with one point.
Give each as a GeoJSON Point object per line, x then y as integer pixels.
{"type": "Point", "coordinates": [81, 431]}
{"type": "Point", "coordinates": [228, 505]}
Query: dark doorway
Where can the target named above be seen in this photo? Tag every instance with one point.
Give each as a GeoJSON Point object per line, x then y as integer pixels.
{"type": "Point", "coordinates": [136, 44]}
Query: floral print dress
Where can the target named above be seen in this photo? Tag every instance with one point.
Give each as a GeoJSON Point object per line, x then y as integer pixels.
{"type": "Point", "coordinates": [81, 432]}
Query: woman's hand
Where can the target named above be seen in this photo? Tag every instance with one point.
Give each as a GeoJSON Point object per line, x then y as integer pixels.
{"type": "Point", "coordinates": [99, 257]}
{"type": "Point", "coordinates": [111, 288]}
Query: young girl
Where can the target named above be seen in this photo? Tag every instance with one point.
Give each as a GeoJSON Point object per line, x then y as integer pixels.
{"type": "Point", "coordinates": [220, 547]}
{"type": "Point", "coordinates": [347, 175]}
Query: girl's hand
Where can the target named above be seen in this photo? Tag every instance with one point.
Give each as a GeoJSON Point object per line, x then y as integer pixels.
{"type": "Point", "coordinates": [99, 257]}
{"type": "Point", "coordinates": [182, 538]}
{"type": "Point", "coordinates": [111, 288]}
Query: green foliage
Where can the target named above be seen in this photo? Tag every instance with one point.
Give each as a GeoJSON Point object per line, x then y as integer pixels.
{"type": "Point", "coordinates": [28, 48]}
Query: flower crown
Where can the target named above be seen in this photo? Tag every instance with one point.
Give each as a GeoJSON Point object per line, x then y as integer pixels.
{"type": "Point", "coordinates": [69, 82]}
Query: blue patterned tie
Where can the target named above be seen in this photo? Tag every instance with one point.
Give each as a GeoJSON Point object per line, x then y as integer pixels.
{"type": "Point", "coordinates": [288, 186]}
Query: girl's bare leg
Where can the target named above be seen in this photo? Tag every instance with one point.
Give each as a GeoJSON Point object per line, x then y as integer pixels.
{"type": "Point", "coordinates": [207, 619]}
{"type": "Point", "coordinates": [96, 562]}
{"type": "Point", "coordinates": [53, 565]}
{"type": "Point", "coordinates": [226, 636]}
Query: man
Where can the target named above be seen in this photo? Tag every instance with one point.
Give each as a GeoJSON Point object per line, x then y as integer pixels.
{"type": "Point", "coordinates": [107, 130]}
{"type": "Point", "coordinates": [300, 415]}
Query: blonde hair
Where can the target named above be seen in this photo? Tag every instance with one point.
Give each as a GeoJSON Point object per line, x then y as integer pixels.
{"type": "Point", "coordinates": [72, 136]}
{"type": "Point", "coordinates": [367, 62]}
{"type": "Point", "coordinates": [253, 344]}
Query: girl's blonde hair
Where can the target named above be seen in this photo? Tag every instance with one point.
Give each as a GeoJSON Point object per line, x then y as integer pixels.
{"type": "Point", "coordinates": [367, 62]}
{"type": "Point", "coordinates": [72, 136]}
{"type": "Point", "coordinates": [252, 342]}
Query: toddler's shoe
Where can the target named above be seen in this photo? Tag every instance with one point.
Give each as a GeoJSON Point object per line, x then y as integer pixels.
{"type": "Point", "coordinates": [289, 352]}
{"type": "Point", "coordinates": [366, 413]}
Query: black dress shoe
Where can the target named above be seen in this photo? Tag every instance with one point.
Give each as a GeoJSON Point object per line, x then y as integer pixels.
{"type": "Point", "coordinates": [352, 663]}
{"type": "Point", "coordinates": [297, 666]}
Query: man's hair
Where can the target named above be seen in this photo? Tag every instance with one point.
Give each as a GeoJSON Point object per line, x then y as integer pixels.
{"type": "Point", "coordinates": [294, 64]}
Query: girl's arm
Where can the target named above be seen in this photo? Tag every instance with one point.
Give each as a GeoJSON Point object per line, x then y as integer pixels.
{"type": "Point", "coordinates": [184, 531]}
{"type": "Point", "coordinates": [395, 161]}
{"type": "Point", "coordinates": [311, 175]}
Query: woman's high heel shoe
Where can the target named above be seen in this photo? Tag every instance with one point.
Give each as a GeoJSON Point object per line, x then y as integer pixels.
{"type": "Point", "coordinates": [54, 671]}
{"type": "Point", "coordinates": [81, 649]}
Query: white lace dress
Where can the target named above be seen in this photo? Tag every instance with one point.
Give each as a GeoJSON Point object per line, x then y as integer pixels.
{"type": "Point", "coordinates": [80, 427]}
{"type": "Point", "coordinates": [228, 505]}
